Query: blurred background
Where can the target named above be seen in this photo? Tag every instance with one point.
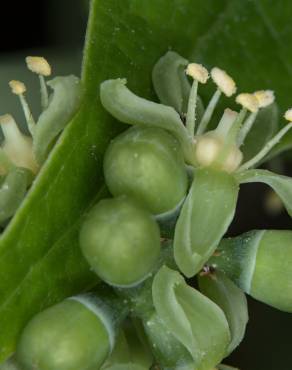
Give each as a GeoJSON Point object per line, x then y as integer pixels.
{"type": "Point", "coordinates": [55, 29]}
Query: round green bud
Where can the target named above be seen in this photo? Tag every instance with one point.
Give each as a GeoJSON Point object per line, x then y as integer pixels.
{"type": "Point", "coordinates": [147, 163]}
{"type": "Point", "coordinates": [67, 336]}
{"type": "Point", "coordinates": [260, 263]}
{"type": "Point", "coordinates": [121, 241]}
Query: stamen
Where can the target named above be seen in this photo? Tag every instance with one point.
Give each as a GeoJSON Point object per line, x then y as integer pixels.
{"type": "Point", "coordinates": [191, 112]}
{"type": "Point", "coordinates": [17, 146]}
{"type": "Point", "coordinates": [18, 88]}
{"type": "Point", "coordinates": [264, 97]}
{"type": "Point", "coordinates": [248, 101]}
{"type": "Point", "coordinates": [208, 112]}
{"type": "Point", "coordinates": [223, 81]}
{"type": "Point", "coordinates": [40, 66]}
{"type": "Point", "coordinates": [265, 150]}
{"type": "Point", "coordinates": [199, 74]}
{"type": "Point", "coordinates": [246, 127]}
{"type": "Point", "coordinates": [288, 115]}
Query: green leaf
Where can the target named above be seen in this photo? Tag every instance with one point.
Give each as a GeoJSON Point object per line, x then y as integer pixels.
{"type": "Point", "coordinates": [12, 191]}
{"type": "Point", "coordinates": [231, 300]}
{"type": "Point", "coordinates": [198, 323]}
{"type": "Point", "coordinates": [282, 185]}
{"type": "Point", "coordinates": [206, 214]}
{"type": "Point", "coordinates": [40, 262]}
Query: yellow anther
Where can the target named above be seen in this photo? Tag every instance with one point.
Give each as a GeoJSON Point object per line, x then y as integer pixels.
{"type": "Point", "coordinates": [17, 87]}
{"type": "Point", "coordinates": [248, 101]}
{"type": "Point", "coordinates": [197, 72]}
{"type": "Point", "coordinates": [264, 97]}
{"type": "Point", "coordinates": [288, 115]}
{"type": "Point", "coordinates": [38, 65]}
{"type": "Point", "coordinates": [223, 81]}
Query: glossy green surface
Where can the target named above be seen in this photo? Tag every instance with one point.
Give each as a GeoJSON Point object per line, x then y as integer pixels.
{"type": "Point", "coordinates": [205, 217]}
{"type": "Point", "coordinates": [120, 241]}
{"type": "Point", "coordinates": [67, 336]}
{"type": "Point", "coordinates": [221, 290]}
{"type": "Point", "coordinates": [147, 164]}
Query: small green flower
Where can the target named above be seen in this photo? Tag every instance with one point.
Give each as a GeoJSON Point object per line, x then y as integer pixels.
{"type": "Point", "coordinates": [215, 156]}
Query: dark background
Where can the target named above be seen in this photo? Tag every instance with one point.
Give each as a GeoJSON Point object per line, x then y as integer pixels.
{"type": "Point", "coordinates": [57, 28]}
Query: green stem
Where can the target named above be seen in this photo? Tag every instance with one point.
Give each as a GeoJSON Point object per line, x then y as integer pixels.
{"type": "Point", "coordinates": [191, 113]}
{"type": "Point", "coordinates": [246, 127]}
{"type": "Point", "coordinates": [209, 112]}
{"type": "Point", "coordinates": [265, 150]}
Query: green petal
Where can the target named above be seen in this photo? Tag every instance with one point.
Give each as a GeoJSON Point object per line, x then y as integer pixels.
{"type": "Point", "coordinates": [231, 300]}
{"type": "Point", "coordinates": [169, 352]}
{"type": "Point", "coordinates": [282, 185]}
{"type": "Point", "coordinates": [64, 102]}
{"type": "Point", "coordinates": [12, 191]}
{"type": "Point", "coordinates": [198, 323]}
{"type": "Point", "coordinates": [170, 81]}
{"type": "Point", "coordinates": [129, 108]}
{"type": "Point", "coordinates": [206, 214]}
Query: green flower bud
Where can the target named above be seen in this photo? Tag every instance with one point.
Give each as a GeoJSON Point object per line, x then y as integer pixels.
{"type": "Point", "coordinates": [121, 241]}
{"type": "Point", "coordinates": [76, 334]}
{"type": "Point", "coordinates": [260, 262]}
{"type": "Point", "coordinates": [147, 163]}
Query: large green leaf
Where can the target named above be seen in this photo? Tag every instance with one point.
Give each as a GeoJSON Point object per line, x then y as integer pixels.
{"type": "Point", "coordinates": [40, 262]}
{"type": "Point", "coordinates": [250, 40]}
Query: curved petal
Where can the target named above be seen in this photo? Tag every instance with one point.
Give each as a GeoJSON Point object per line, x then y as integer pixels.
{"type": "Point", "coordinates": [198, 323]}
{"type": "Point", "coordinates": [63, 103]}
{"type": "Point", "coordinates": [221, 290]}
{"type": "Point", "coordinates": [129, 108]}
{"type": "Point", "coordinates": [206, 214]}
{"type": "Point", "coordinates": [282, 185]}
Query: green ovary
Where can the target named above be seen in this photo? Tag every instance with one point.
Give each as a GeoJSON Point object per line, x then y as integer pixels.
{"type": "Point", "coordinates": [121, 241]}
{"type": "Point", "coordinates": [147, 164]}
